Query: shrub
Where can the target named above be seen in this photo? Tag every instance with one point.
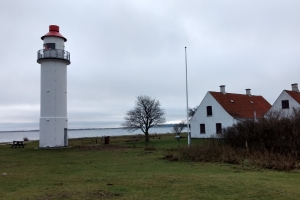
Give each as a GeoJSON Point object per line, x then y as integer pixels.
{"type": "Point", "coordinates": [171, 157]}
{"type": "Point", "coordinates": [149, 148]}
{"type": "Point", "coordinates": [272, 142]}
{"type": "Point", "coordinates": [276, 133]}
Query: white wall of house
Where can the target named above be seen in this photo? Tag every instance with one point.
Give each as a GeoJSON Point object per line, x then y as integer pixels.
{"type": "Point", "coordinates": [219, 115]}
{"type": "Point", "coordinates": [277, 106]}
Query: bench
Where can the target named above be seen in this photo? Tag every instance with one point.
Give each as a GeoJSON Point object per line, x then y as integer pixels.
{"type": "Point", "coordinates": [17, 144]}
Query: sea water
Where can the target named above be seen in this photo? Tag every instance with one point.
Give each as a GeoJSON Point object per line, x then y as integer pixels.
{"type": "Point", "coordinates": [9, 136]}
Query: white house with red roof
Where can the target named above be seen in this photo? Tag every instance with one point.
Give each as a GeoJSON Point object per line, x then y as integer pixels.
{"type": "Point", "coordinates": [287, 100]}
{"type": "Point", "coordinates": [220, 109]}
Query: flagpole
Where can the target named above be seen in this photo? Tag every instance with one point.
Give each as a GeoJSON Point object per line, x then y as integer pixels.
{"type": "Point", "coordinates": [187, 102]}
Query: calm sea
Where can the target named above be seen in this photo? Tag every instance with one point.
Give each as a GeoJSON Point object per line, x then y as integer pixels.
{"type": "Point", "coordinates": [9, 136]}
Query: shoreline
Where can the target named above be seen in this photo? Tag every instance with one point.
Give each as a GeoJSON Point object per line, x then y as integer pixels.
{"type": "Point", "coordinates": [6, 137]}
{"type": "Point", "coordinates": [78, 129]}
{"type": "Point", "coordinates": [133, 135]}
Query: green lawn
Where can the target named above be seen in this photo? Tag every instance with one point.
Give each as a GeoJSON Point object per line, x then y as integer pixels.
{"type": "Point", "coordinates": [119, 171]}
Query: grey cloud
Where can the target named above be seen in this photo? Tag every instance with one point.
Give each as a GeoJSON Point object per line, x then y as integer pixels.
{"type": "Point", "coordinates": [122, 49]}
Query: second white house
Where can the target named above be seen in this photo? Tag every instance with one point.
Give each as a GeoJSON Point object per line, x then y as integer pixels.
{"type": "Point", "coordinates": [287, 100]}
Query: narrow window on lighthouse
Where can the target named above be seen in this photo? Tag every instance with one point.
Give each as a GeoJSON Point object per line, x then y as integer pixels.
{"type": "Point", "coordinates": [49, 46]}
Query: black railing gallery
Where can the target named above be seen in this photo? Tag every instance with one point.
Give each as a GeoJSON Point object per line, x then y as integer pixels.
{"type": "Point", "coordinates": [53, 53]}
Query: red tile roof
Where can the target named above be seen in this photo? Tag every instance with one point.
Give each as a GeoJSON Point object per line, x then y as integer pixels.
{"type": "Point", "coordinates": [294, 95]}
{"type": "Point", "coordinates": [240, 106]}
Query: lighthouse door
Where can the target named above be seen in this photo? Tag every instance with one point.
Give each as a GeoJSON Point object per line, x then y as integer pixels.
{"type": "Point", "coordinates": [65, 137]}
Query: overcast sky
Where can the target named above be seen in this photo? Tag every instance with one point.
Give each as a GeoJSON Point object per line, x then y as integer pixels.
{"type": "Point", "coordinates": [121, 49]}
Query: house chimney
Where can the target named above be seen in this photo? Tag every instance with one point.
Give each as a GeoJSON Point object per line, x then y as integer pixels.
{"type": "Point", "coordinates": [295, 87]}
{"type": "Point", "coordinates": [222, 89]}
{"type": "Point", "coordinates": [248, 92]}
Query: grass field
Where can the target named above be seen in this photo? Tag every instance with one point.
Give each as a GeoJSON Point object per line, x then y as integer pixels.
{"type": "Point", "coordinates": [120, 171]}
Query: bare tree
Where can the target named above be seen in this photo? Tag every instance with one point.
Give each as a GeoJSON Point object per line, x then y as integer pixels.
{"type": "Point", "coordinates": [177, 128]}
{"type": "Point", "coordinates": [145, 114]}
{"type": "Point", "coordinates": [192, 111]}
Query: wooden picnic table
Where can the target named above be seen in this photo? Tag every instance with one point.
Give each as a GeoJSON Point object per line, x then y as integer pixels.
{"type": "Point", "coordinates": [17, 144]}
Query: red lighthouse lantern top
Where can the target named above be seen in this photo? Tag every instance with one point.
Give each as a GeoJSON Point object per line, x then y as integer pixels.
{"type": "Point", "coordinates": [53, 32]}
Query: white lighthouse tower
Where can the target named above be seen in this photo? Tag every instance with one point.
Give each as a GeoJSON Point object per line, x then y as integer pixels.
{"type": "Point", "coordinates": [53, 117]}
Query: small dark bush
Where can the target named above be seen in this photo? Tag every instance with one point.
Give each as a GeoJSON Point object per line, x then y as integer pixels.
{"type": "Point", "coordinates": [171, 157]}
{"type": "Point", "coordinates": [149, 148]}
{"type": "Point", "coordinates": [25, 139]}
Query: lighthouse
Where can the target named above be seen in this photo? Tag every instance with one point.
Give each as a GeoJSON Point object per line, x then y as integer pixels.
{"type": "Point", "coordinates": [53, 114]}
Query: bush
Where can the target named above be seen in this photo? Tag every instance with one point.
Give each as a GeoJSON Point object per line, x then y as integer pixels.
{"type": "Point", "coordinates": [149, 148]}
{"type": "Point", "coordinates": [171, 157]}
{"type": "Point", "coordinates": [276, 133]}
{"type": "Point", "coordinates": [272, 143]}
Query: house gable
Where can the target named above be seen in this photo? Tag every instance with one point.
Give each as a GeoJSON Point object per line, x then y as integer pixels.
{"type": "Point", "coordinates": [293, 99]}
{"type": "Point", "coordinates": [201, 118]}
{"type": "Point", "coordinates": [294, 95]}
